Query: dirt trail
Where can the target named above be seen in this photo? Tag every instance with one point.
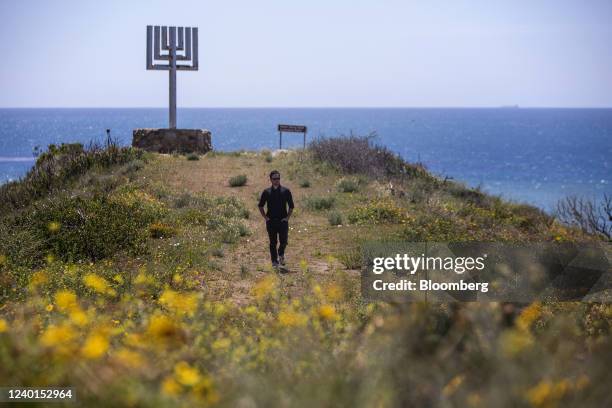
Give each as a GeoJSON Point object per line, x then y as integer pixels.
{"type": "Point", "coordinates": [311, 239]}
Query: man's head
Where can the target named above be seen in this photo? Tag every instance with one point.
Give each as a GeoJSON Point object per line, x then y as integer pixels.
{"type": "Point", "coordinates": [275, 178]}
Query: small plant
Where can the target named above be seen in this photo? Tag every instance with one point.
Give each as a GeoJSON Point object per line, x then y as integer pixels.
{"type": "Point", "coordinates": [347, 185]}
{"type": "Point", "coordinates": [244, 271]}
{"type": "Point", "coordinates": [160, 230]}
{"type": "Point", "coordinates": [377, 212]}
{"type": "Point", "coordinates": [182, 201]}
{"type": "Point", "coordinates": [320, 203]}
{"type": "Point", "coordinates": [243, 230]}
{"type": "Point", "coordinates": [335, 218]}
{"type": "Point", "coordinates": [217, 252]}
{"type": "Point", "coordinates": [267, 156]}
{"type": "Point", "coordinates": [305, 184]}
{"type": "Point", "coordinates": [193, 156]}
{"type": "Point", "coordinates": [238, 181]}
{"type": "Point", "coordinates": [351, 258]}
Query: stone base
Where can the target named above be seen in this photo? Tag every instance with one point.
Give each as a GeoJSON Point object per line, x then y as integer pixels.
{"type": "Point", "coordinates": [173, 140]}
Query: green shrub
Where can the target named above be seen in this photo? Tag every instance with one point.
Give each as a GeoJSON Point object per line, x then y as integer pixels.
{"type": "Point", "coordinates": [320, 203]}
{"type": "Point", "coordinates": [238, 181]}
{"type": "Point", "coordinates": [351, 258]}
{"type": "Point", "coordinates": [377, 212]}
{"type": "Point", "coordinates": [335, 218]}
{"type": "Point", "coordinates": [347, 185]}
{"type": "Point", "coordinates": [193, 156]}
{"type": "Point", "coordinates": [58, 166]}
{"type": "Point", "coordinates": [267, 156]}
{"type": "Point", "coordinates": [217, 252]}
{"type": "Point", "coordinates": [305, 184]}
{"type": "Point", "coordinates": [79, 228]}
{"type": "Point", "coordinates": [161, 230]}
{"type": "Point", "coordinates": [358, 154]}
{"type": "Point", "coordinates": [437, 228]}
{"type": "Point", "coordinates": [230, 230]}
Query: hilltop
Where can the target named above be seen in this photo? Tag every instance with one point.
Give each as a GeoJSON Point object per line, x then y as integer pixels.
{"type": "Point", "coordinates": [144, 278]}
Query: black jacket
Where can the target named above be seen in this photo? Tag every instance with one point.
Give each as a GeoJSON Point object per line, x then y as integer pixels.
{"type": "Point", "coordinates": [277, 200]}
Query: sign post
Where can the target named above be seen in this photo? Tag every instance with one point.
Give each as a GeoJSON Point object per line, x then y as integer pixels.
{"type": "Point", "coordinates": [291, 129]}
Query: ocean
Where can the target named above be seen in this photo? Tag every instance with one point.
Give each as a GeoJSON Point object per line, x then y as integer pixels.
{"type": "Point", "coordinates": [537, 156]}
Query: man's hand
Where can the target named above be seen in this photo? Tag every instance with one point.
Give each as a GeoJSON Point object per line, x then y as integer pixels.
{"type": "Point", "coordinates": [286, 219]}
{"type": "Point", "coordinates": [263, 214]}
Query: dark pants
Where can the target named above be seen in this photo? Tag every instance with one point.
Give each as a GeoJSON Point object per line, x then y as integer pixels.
{"type": "Point", "coordinates": [280, 229]}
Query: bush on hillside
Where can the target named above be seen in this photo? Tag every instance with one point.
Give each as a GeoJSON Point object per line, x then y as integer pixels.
{"type": "Point", "coordinates": [358, 154]}
{"type": "Point", "coordinates": [238, 181]}
{"type": "Point", "coordinates": [316, 203]}
{"type": "Point", "coordinates": [59, 165]}
{"type": "Point", "coordinates": [77, 228]}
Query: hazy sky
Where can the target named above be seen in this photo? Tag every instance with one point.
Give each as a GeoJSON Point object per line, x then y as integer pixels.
{"type": "Point", "coordinates": [311, 53]}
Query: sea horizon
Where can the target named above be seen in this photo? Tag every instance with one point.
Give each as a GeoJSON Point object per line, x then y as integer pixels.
{"type": "Point", "coordinates": [535, 155]}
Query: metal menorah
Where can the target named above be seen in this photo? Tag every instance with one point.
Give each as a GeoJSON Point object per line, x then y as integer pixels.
{"type": "Point", "coordinates": [162, 45]}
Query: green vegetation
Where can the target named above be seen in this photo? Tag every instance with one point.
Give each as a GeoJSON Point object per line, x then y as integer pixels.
{"type": "Point", "coordinates": [316, 203]}
{"type": "Point", "coordinates": [335, 218]}
{"type": "Point", "coordinates": [137, 280]}
{"type": "Point", "coordinates": [238, 181]}
{"type": "Point", "coordinates": [348, 185]}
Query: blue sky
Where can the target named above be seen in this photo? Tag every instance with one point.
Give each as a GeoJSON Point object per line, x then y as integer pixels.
{"type": "Point", "coordinates": [312, 53]}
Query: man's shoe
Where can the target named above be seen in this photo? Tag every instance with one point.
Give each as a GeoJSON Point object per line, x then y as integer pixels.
{"type": "Point", "coordinates": [281, 260]}
{"type": "Point", "coordinates": [275, 265]}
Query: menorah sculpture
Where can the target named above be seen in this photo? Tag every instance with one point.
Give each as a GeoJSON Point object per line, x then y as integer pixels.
{"type": "Point", "coordinates": [166, 50]}
{"type": "Point", "coordinates": [172, 49]}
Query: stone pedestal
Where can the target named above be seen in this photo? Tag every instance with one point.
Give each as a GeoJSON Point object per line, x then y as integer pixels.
{"type": "Point", "coordinates": [173, 140]}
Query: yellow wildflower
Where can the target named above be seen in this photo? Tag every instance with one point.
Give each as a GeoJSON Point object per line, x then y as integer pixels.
{"type": "Point", "coordinates": [221, 344]}
{"type": "Point", "coordinates": [528, 316]}
{"type": "Point", "coordinates": [129, 358]}
{"type": "Point", "coordinates": [3, 326]}
{"type": "Point", "coordinates": [118, 278]}
{"type": "Point", "coordinates": [289, 318]}
{"type": "Point", "coordinates": [39, 278]}
{"type": "Point", "coordinates": [95, 346]}
{"type": "Point", "coordinates": [58, 335]}
{"type": "Point", "coordinates": [333, 292]}
{"type": "Point", "coordinates": [53, 226]}
{"type": "Point", "coordinates": [185, 374]}
{"type": "Point", "coordinates": [179, 303]}
{"type": "Point", "coordinates": [170, 387]}
{"type": "Point", "coordinates": [327, 312]}
{"type": "Point", "coordinates": [78, 316]}
{"type": "Point", "coordinates": [514, 342]}
{"type": "Point", "coordinates": [265, 287]}
{"type": "Point", "coordinates": [49, 307]}
{"type": "Point", "coordinates": [452, 386]}
{"type": "Point", "coordinates": [205, 390]}
{"type": "Point", "coordinates": [3, 260]}
{"type": "Point", "coordinates": [66, 300]}
{"type": "Point", "coordinates": [144, 279]}
{"type": "Point", "coordinates": [50, 258]}
{"type": "Point", "coordinates": [547, 394]}
{"type": "Point", "coordinates": [98, 283]}
{"type": "Point", "coordinates": [162, 329]}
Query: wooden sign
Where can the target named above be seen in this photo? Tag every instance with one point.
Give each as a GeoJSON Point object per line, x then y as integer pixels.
{"type": "Point", "coordinates": [292, 128]}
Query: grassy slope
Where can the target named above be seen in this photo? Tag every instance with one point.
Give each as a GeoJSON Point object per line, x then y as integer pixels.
{"type": "Point", "coordinates": [301, 338]}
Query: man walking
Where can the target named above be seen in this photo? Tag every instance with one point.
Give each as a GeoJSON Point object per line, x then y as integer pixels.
{"type": "Point", "coordinates": [278, 198]}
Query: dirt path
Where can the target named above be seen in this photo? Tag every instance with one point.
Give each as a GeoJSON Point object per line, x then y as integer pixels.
{"type": "Point", "coordinates": [311, 238]}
